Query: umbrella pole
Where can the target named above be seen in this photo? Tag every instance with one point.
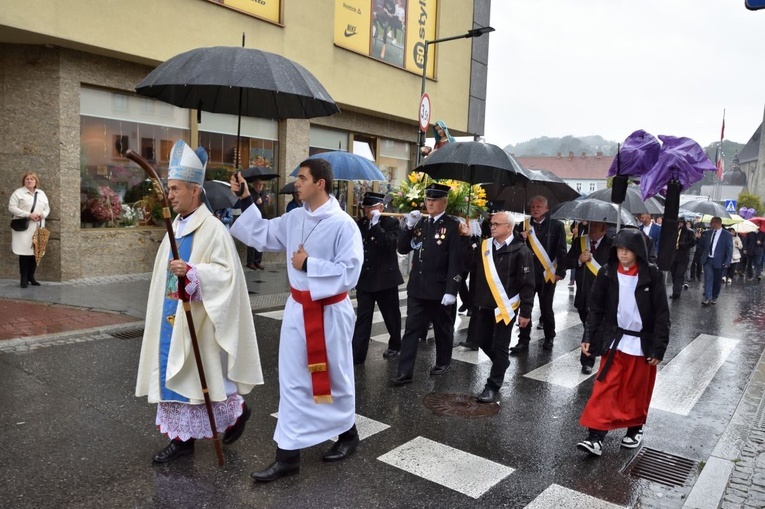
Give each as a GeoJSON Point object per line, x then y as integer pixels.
{"type": "Point", "coordinates": [619, 218]}
{"type": "Point", "coordinates": [186, 305]}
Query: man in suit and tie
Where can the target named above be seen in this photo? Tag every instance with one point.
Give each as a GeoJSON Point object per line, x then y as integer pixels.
{"type": "Point", "coordinates": [653, 231]}
{"type": "Point", "coordinates": [718, 252]}
{"type": "Point", "coordinates": [379, 279]}
{"type": "Point", "coordinates": [587, 254]}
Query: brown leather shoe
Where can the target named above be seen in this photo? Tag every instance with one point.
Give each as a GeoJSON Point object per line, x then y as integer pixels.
{"type": "Point", "coordinates": [251, 266]}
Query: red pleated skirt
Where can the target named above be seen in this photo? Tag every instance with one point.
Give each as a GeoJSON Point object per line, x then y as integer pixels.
{"type": "Point", "coordinates": [622, 399]}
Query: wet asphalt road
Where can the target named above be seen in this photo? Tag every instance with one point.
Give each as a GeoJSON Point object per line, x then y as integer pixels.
{"type": "Point", "coordinates": [73, 435]}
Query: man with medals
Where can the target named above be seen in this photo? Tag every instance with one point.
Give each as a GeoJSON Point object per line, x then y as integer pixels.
{"type": "Point", "coordinates": [504, 288]}
{"type": "Point", "coordinates": [547, 240]}
{"type": "Point", "coordinates": [220, 306]}
{"type": "Point", "coordinates": [433, 282]}
{"type": "Point", "coordinates": [317, 395]}
{"type": "Point", "coordinates": [587, 254]}
{"type": "Point", "coordinates": [379, 279]}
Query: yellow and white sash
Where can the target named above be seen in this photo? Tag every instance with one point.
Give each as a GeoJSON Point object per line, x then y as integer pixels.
{"type": "Point", "coordinates": [505, 305]}
{"type": "Point", "coordinates": [548, 266]}
{"type": "Point", "coordinates": [592, 263]}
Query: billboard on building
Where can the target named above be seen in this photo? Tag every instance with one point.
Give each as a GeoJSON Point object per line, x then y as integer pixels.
{"type": "Point", "coordinates": [269, 10]}
{"type": "Point", "coordinates": [393, 31]}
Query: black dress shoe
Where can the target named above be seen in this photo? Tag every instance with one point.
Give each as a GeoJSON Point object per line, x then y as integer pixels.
{"type": "Point", "coordinates": [540, 326]}
{"type": "Point", "coordinates": [488, 396]}
{"type": "Point", "coordinates": [547, 345]}
{"type": "Point", "coordinates": [439, 370]}
{"type": "Point", "coordinates": [276, 470]}
{"type": "Point", "coordinates": [468, 345]}
{"type": "Point", "coordinates": [674, 296]}
{"type": "Point", "coordinates": [174, 450]}
{"type": "Point", "coordinates": [234, 432]}
{"type": "Point", "coordinates": [390, 353]}
{"type": "Point", "coordinates": [462, 308]}
{"type": "Point", "coordinates": [401, 379]}
{"type": "Point", "coordinates": [586, 370]}
{"type": "Point", "coordinates": [33, 282]}
{"type": "Point", "coordinates": [520, 347]}
{"type": "Point", "coordinates": [341, 449]}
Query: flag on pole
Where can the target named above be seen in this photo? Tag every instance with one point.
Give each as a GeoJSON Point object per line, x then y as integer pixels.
{"type": "Point", "coordinates": [719, 162]}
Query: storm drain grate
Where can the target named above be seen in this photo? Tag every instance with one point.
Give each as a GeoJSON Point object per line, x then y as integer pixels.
{"type": "Point", "coordinates": [128, 334]}
{"type": "Point", "coordinates": [458, 405]}
{"type": "Point", "coordinates": [660, 467]}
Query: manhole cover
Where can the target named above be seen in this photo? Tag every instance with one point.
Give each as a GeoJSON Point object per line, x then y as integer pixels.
{"type": "Point", "coordinates": [128, 334]}
{"type": "Point", "coordinates": [459, 405]}
{"type": "Point", "coordinates": [661, 467]}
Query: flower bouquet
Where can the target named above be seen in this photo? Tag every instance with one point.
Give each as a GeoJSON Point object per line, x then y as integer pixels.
{"type": "Point", "coordinates": [106, 206]}
{"type": "Point", "coordinates": [465, 200]}
{"type": "Point", "coordinates": [410, 195]}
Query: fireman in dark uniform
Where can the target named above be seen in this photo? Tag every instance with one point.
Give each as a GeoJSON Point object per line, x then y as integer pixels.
{"type": "Point", "coordinates": [586, 270]}
{"type": "Point", "coordinates": [550, 243]}
{"type": "Point", "coordinates": [433, 282]}
{"type": "Point", "coordinates": [379, 279]}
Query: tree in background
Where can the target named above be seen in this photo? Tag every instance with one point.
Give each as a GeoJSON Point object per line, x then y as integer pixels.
{"type": "Point", "coordinates": [751, 201]}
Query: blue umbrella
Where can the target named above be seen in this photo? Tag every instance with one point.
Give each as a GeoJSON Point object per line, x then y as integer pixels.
{"type": "Point", "coordinates": [347, 166]}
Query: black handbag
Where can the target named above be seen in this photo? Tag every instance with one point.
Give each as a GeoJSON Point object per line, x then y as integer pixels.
{"type": "Point", "coordinates": [21, 224]}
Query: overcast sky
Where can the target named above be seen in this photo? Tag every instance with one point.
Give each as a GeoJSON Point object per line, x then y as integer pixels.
{"type": "Point", "coordinates": [609, 67]}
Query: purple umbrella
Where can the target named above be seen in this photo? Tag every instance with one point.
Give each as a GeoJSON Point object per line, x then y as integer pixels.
{"type": "Point", "coordinates": [637, 155]}
{"type": "Point", "coordinates": [680, 159]}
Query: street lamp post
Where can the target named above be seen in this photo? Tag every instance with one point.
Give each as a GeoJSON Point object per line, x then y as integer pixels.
{"type": "Point", "coordinates": [475, 32]}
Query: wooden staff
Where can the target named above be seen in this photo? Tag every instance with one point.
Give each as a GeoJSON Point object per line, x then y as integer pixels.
{"type": "Point", "coordinates": [140, 161]}
{"type": "Point", "coordinates": [393, 214]}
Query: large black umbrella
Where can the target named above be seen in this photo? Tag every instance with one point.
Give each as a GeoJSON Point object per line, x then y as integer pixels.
{"type": "Point", "coordinates": [254, 173]}
{"type": "Point", "coordinates": [633, 201]}
{"type": "Point", "coordinates": [590, 209]}
{"type": "Point", "coordinates": [706, 206]}
{"type": "Point", "coordinates": [541, 183]}
{"type": "Point", "coordinates": [473, 162]}
{"type": "Point", "coordinates": [289, 188]}
{"type": "Point", "coordinates": [219, 194]}
{"type": "Point", "coordinates": [238, 81]}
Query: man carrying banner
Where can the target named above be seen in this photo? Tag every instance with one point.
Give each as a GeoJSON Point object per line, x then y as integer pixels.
{"type": "Point", "coordinates": [504, 288]}
{"type": "Point", "coordinates": [317, 395]}
{"type": "Point", "coordinates": [587, 254]}
{"type": "Point", "coordinates": [547, 239]}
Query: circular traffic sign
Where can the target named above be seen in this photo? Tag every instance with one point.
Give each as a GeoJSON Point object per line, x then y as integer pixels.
{"type": "Point", "coordinates": [424, 112]}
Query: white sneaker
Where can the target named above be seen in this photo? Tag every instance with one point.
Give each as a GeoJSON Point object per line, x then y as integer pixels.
{"type": "Point", "coordinates": [593, 447]}
{"type": "Point", "coordinates": [633, 442]}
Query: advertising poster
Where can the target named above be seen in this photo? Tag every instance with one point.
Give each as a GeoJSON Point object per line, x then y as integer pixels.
{"type": "Point", "coordinates": [269, 10]}
{"type": "Point", "coordinates": [393, 31]}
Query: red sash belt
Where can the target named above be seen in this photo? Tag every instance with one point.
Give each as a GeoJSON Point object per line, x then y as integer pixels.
{"type": "Point", "coordinates": [313, 316]}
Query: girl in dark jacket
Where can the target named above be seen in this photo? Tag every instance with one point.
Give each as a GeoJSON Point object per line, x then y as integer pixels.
{"type": "Point", "coordinates": [628, 323]}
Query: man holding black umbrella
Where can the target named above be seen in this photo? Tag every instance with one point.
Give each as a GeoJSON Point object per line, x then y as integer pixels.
{"type": "Point", "coordinates": [547, 239]}
{"type": "Point", "coordinates": [587, 254]}
{"type": "Point", "coordinates": [379, 279]}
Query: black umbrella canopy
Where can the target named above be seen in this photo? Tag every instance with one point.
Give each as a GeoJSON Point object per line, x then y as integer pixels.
{"type": "Point", "coordinates": [633, 201]}
{"type": "Point", "coordinates": [219, 194]}
{"type": "Point", "coordinates": [239, 81]}
{"type": "Point", "coordinates": [591, 209]}
{"type": "Point", "coordinates": [541, 183]}
{"type": "Point", "coordinates": [705, 206]}
{"type": "Point", "coordinates": [288, 188]}
{"type": "Point", "coordinates": [258, 173]}
{"type": "Point", "coordinates": [473, 162]}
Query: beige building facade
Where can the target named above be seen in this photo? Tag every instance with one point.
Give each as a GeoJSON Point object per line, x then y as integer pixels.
{"type": "Point", "coordinates": [68, 73]}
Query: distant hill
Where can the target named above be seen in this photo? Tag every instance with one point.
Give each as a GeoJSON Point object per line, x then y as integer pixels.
{"type": "Point", "coordinates": [546, 146]}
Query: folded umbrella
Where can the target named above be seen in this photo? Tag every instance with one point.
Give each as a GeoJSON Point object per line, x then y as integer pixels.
{"type": "Point", "coordinates": [40, 242]}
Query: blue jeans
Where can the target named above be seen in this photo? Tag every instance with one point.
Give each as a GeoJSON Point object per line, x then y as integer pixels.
{"type": "Point", "coordinates": [712, 280]}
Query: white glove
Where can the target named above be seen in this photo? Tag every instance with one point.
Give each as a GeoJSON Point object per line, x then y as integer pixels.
{"type": "Point", "coordinates": [448, 300]}
{"type": "Point", "coordinates": [412, 218]}
{"type": "Point", "coordinates": [375, 217]}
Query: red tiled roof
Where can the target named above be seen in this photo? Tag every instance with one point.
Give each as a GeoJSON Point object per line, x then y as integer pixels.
{"type": "Point", "coordinates": [570, 167]}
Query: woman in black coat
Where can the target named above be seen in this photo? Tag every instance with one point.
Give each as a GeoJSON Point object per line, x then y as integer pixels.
{"type": "Point", "coordinates": [628, 324]}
